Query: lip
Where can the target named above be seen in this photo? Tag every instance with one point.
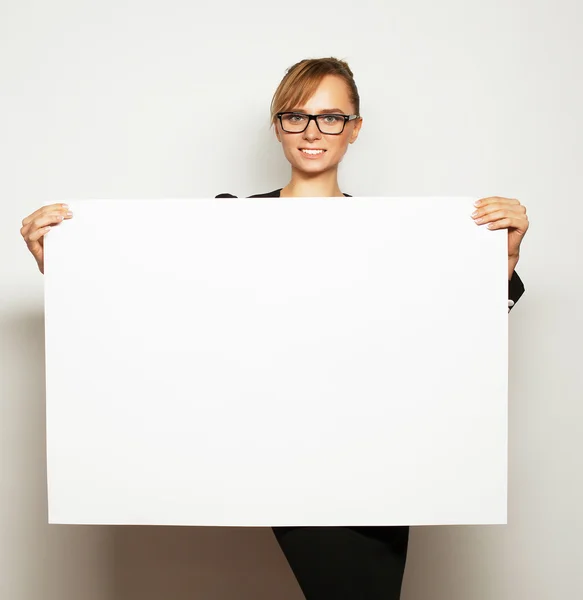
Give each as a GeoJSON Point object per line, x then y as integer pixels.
{"type": "Point", "coordinates": [312, 156]}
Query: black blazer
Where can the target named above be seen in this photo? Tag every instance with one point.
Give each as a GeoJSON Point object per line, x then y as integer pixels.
{"type": "Point", "coordinates": [515, 285]}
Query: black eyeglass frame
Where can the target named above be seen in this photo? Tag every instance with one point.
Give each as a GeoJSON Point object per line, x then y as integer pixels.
{"type": "Point", "coordinates": [315, 119]}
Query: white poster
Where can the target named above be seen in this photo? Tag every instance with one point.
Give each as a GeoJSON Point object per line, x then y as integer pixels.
{"type": "Point", "coordinates": [276, 361]}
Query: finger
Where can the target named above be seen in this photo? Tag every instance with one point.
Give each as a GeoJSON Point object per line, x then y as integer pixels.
{"type": "Point", "coordinates": [43, 210]}
{"type": "Point", "coordinates": [41, 223]}
{"type": "Point", "coordinates": [518, 209]}
{"type": "Point", "coordinates": [43, 220]}
{"type": "Point", "coordinates": [28, 230]}
{"type": "Point", "coordinates": [509, 222]}
{"type": "Point", "coordinates": [514, 208]}
{"type": "Point", "coordinates": [493, 216]}
{"type": "Point", "coordinates": [493, 199]}
{"type": "Point", "coordinates": [35, 236]}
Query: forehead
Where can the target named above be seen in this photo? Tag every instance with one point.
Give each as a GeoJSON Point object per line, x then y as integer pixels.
{"type": "Point", "coordinates": [331, 93]}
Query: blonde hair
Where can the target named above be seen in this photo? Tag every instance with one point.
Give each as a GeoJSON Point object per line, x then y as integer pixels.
{"type": "Point", "coordinates": [302, 79]}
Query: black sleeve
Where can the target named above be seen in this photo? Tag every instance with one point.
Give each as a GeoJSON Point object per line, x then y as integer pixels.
{"type": "Point", "coordinates": [225, 196]}
{"type": "Point", "coordinates": [515, 290]}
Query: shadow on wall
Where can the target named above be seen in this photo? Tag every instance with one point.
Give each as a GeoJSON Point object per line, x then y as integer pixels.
{"type": "Point", "coordinates": [211, 563]}
{"type": "Point", "coordinates": [37, 560]}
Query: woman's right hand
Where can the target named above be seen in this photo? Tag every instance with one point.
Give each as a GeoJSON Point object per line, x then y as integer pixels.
{"type": "Point", "coordinates": [38, 224]}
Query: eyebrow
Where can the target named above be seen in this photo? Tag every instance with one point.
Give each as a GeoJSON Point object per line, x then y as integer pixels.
{"type": "Point", "coordinates": [321, 112]}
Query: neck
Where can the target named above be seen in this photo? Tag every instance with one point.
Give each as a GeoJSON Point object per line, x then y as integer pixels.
{"type": "Point", "coordinates": [314, 186]}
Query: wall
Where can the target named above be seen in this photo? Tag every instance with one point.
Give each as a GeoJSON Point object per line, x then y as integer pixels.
{"type": "Point", "coordinates": [151, 99]}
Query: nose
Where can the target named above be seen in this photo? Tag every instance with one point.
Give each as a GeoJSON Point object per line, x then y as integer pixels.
{"type": "Point", "coordinates": [312, 132]}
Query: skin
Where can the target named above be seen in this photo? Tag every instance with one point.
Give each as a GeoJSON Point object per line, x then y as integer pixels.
{"type": "Point", "coordinates": [504, 213]}
{"type": "Point", "coordinates": [315, 177]}
{"type": "Point", "coordinates": [38, 224]}
{"type": "Point", "coordinates": [319, 177]}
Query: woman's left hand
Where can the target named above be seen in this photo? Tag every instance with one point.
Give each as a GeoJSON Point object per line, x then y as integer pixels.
{"type": "Point", "coordinates": [504, 213]}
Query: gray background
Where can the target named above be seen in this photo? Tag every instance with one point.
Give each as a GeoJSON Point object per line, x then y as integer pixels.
{"type": "Point", "coordinates": [150, 99]}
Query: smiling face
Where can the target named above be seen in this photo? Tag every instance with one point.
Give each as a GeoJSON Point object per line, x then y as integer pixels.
{"type": "Point", "coordinates": [312, 152]}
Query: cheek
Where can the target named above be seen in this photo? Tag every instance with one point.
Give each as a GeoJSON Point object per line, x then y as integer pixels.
{"type": "Point", "coordinates": [339, 146]}
{"type": "Point", "coordinates": [288, 148]}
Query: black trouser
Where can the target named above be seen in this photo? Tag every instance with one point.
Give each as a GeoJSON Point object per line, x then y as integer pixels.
{"type": "Point", "coordinates": [346, 563]}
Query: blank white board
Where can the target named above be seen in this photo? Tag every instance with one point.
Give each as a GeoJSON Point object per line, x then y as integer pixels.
{"type": "Point", "coordinates": [276, 361]}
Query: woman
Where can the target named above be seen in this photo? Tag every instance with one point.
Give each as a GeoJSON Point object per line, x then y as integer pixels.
{"type": "Point", "coordinates": [315, 112]}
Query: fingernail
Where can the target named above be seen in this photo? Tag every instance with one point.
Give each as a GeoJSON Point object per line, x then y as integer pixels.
{"type": "Point", "coordinates": [477, 203]}
{"type": "Point", "coordinates": [479, 220]}
{"type": "Point", "coordinates": [65, 205]}
{"type": "Point", "coordinates": [69, 213]}
{"type": "Point", "coordinates": [475, 213]}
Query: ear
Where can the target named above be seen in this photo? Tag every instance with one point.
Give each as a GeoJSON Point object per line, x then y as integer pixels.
{"type": "Point", "coordinates": [355, 130]}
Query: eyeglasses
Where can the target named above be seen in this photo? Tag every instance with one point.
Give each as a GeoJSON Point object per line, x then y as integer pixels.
{"type": "Point", "coordinates": [329, 124]}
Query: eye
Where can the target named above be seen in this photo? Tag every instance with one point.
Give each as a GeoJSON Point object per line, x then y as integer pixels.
{"type": "Point", "coordinates": [294, 118]}
{"type": "Point", "coordinates": [330, 119]}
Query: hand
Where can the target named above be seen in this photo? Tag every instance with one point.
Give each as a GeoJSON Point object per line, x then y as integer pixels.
{"type": "Point", "coordinates": [38, 224]}
{"type": "Point", "coordinates": [504, 213]}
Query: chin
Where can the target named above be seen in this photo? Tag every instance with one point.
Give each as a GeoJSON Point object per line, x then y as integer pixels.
{"type": "Point", "coordinates": [312, 168]}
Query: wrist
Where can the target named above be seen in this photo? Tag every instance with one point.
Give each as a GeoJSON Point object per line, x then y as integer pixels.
{"type": "Point", "coordinates": [512, 262]}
